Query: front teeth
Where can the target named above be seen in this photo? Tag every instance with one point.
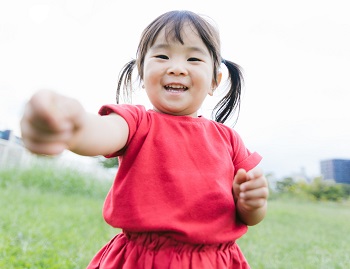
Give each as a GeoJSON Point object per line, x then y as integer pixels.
{"type": "Point", "coordinates": [171, 86]}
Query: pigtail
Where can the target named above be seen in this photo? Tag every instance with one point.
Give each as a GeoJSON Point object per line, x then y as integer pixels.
{"type": "Point", "coordinates": [125, 81]}
{"type": "Point", "coordinates": [232, 100]}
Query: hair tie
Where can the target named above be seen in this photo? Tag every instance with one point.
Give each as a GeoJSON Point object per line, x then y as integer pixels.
{"type": "Point", "coordinates": [223, 61]}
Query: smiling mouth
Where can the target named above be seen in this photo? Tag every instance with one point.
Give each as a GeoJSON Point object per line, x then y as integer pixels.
{"type": "Point", "coordinates": [175, 88]}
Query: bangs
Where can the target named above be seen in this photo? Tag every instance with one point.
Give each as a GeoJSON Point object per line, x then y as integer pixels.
{"type": "Point", "coordinates": [172, 26]}
{"type": "Point", "coordinates": [173, 23]}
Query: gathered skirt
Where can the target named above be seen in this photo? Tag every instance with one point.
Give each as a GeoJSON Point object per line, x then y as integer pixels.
{"type": "Point", "coordinates": [157, 251]}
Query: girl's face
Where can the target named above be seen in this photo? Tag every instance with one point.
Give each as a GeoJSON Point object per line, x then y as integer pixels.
{"type": "Point", "coordinates": [177, 77]}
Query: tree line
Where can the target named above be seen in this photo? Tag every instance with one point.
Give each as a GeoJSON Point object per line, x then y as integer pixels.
{"type": "Point", "coordinates": [318, 189]}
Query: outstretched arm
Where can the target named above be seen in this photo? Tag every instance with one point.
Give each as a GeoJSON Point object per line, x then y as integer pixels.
{"type": "Point", "coordinates": [52, 123]}
{"type": "Point", "coordinates": [250, 192]}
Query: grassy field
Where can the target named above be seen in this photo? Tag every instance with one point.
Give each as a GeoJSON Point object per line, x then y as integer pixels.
{"type": "Point", "coordinates": [51, 219]}
{"type": "Point", "coordinates": [300, 234]}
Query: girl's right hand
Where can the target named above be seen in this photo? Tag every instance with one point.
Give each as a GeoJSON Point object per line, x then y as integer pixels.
{"type": "Point", "coordinates": [50, 122]}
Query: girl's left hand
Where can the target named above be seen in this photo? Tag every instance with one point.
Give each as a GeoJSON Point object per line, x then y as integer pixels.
{"type": "Point", "coordinates": [250, 189]}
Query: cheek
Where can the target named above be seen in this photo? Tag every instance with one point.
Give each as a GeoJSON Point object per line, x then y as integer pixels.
{"type": "Point", "coordinates": [148, 71]}
{"type": "Point", "coordinates": [149, 78]}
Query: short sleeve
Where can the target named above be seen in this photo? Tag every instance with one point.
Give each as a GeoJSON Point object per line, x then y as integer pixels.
{"type": "Point", "coordinates": [243, 158]}
{"type": "Point", "coordinates": [132, 115]}
{"type": "Point", "coordinates": [250, 162]}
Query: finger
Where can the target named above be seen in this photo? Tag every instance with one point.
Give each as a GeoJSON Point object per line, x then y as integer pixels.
{"type": "Point", "coordinates": [254, 184]}
{"type": "Point", "coordinates": [253, 204]}
{"type": "Point", "coordinates": [258, 193]}
{"type": "Point", "coordinates": [47, 111]}
{"type": "Point", "coordinates": [32, 133]}
{"type": "Point", "coordinates": [38, 113]}
{"type": "Point", "coordinates": [256, 172]}
{"type": "Point", "coordinates": [241, 176]}
{"type": "Point", "coordinates": [44, 148]}
{"type": "Point", "coordinates": [40, 142]}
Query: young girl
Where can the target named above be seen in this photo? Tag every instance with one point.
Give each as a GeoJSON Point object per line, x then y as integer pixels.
{"type": "Point", "coordinates": [187, 187]}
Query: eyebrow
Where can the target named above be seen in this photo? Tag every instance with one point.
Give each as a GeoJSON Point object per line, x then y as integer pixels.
{"type": "Point", "coordinates": [166, 46]}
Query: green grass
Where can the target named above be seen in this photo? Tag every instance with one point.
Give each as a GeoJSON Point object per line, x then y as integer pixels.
{"type": "Point", "coordinates": [49, 230]}
{"type": "Point", "coordinates": [51, 224]}
{"type": "Point", "coordinates": [52, 218]}
{"type": "Point", "coordinates": [300, 234]}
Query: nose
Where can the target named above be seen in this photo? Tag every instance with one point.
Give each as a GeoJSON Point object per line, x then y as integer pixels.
{"type": "Point", "coordinates": [177, 68]}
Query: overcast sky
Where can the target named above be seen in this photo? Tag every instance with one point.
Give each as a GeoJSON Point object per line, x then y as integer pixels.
{"type": "Point", "coordinates": [295, 56]}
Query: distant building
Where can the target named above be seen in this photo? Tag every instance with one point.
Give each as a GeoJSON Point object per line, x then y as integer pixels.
{"type": "Point", "coordinates": [336, 169]}
{"type": "Point", "coordinates": [5, 134]}
{"type": "Point", "coordinates": [9, 135]}
{"type": "Point", "coordinates": [12, 152]}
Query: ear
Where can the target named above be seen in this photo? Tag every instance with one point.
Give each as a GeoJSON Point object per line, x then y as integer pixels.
{"type": "Point", "coordinates": [214, 84]}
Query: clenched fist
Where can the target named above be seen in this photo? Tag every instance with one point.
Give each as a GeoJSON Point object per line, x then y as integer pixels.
{"type": "Point", "coordinates": [250, 191]}
{"type": "Point", "coordinates": [50, 122]}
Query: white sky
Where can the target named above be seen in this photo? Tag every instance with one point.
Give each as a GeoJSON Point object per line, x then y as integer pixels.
{"type": "Point", "coordinates": [295, 56]}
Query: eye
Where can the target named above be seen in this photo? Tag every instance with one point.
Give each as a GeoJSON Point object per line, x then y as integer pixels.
{"type": "Point", "coordinates": [162, 57]}
{"type": "Point", "coordinates": [193, 59]}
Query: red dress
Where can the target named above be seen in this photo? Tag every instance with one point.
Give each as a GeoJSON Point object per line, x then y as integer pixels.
{"type": "Point", "coordinates": [172, 195]}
